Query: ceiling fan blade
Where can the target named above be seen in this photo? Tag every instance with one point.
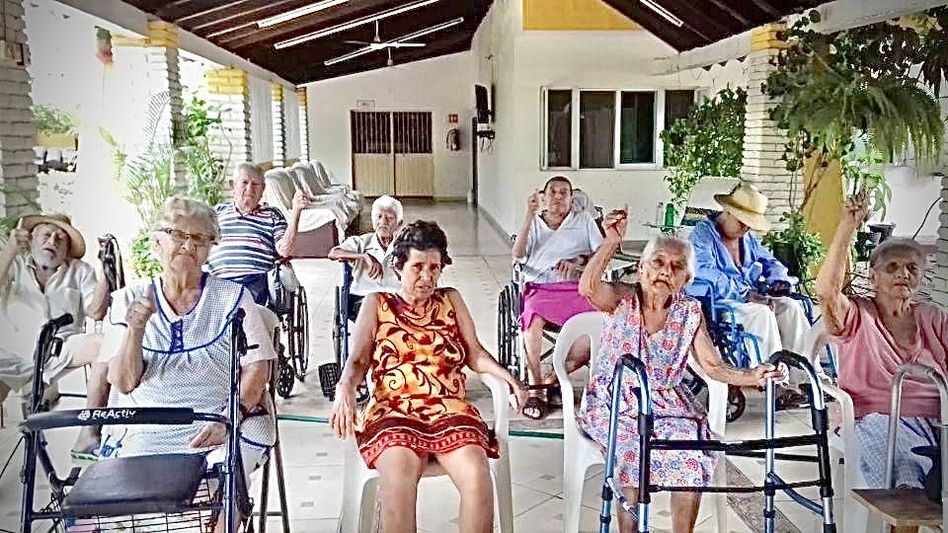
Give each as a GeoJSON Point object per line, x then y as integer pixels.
{"type": "Point", "coordinates": [360, 43]}
{"type": "Point", "coordinates": [407, 45]}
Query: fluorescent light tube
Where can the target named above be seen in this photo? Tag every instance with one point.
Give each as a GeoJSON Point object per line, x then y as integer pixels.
{"type": "Point", "coordinates": [666, 14]}
{"type": "Point", "coordinates": [373, 47]}
{"type": "Point", "coordinates": [298, 12]}
{"type": "Point", "coordinates": [353, 24]}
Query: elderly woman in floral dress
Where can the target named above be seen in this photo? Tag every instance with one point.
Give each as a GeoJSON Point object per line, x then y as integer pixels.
{"type": "Point", "coordinates": [654, 321]}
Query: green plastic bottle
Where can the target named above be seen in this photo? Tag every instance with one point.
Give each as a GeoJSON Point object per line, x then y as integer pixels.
{"type": "Point", "coordinates": [669, 214]}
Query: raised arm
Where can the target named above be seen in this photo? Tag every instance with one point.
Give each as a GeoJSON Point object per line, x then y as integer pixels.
{"type": "Point", "coordinates": [604, 296]}
{"type": "Point", "coordinates": [479, 359]}
{"type": "Point", "coordinates": [717, 369]}
{"type": "Point", "coordinates": [285, 244]}
{"type": "Point", "coordinates": [344, 407]}
{"type": "Point", "coordinates": [523, 236]}
{"type": "Point", "coordinates": [832, 277]}
{"type": "Point", "coordinates": [127, 366]}
{"type": "Point", "coordinates": [18, 242]}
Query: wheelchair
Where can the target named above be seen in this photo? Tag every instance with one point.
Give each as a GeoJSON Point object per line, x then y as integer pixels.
{"type": "Point", "coordinates": [288, 301]}
{"type": "Point", "coordinates": [765, 448]}
{"type": "Point", "coordinates": [344, 312]}
{"type": "Point", "coordinates": [168, 492]}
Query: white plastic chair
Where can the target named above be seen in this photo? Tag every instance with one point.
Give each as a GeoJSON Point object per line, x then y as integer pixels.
{"type": "Point", "coordinates": [360, 482]}
{"type": "Point", "coordinates": [842, 441]}
{"type": "Point", "coordinates": [580, 453]}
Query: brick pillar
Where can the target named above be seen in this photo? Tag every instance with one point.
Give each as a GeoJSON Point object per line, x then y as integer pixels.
{"type": "Point", "coordinates": [304, 123]}
{"type": "Point", "coordinates": [228, 90]}
{"type": "Point", "coordinates": [161, 59]}
{"type": "Point", "coordinates": [277, 107]}
{"type": "Point", "coordinates": [763, 142]}
{"type": "Point", "coordinates": [18, 181]}
{"type": "Point", "coordinates": [939, 287]}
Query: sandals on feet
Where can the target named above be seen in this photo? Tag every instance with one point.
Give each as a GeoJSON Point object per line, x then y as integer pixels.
{"type": "Point", "coordinates": [535, 408]}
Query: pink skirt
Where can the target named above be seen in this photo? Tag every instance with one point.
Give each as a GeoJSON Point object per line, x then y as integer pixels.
{"type": "Point", "coordinates": [553, 302]}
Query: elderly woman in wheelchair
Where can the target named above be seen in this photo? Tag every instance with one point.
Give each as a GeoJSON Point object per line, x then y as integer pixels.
{"type": "Point", "coordinates": [167, 344]}
{"type": "Point", "coordinates": [655, 322]}
{"type": "Point", "coordinates": [416, 343]}
{"type": "Point", "coordinates": [731, 264]}
{"type": "Point", "coordinates": [877, 335]}
{"type": "Point", "coordinates": [553, 245]}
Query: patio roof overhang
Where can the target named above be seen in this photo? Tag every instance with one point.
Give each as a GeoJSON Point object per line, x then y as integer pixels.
{"type": "Point", "coordinates": [298, 48]}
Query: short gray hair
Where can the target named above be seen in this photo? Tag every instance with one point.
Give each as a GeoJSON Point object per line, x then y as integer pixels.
{"type": "Point", "coordinates": [387, 203]}
{"type": "Point", "coordinates": [177, 208]}
{"type": "Point", "coordinates": [894, 246]}
{"type": "Point", "coordinates": [663, 242]}
{"type": "Point", "coordinates": [247, 168]}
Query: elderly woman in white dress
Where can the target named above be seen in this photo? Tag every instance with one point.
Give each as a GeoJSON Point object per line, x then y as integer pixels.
{"type": "Point", "coordinates": [167, 343]}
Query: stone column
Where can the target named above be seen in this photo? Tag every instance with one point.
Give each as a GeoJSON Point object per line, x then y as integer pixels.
{"type": "Point", "coordinates": [161, 59]}
{"type": "Point", "coordinates": [18, 181]}
{"type": "Point", "coordinates": [939, 287]}
{"type": "Point", "coordinates": [763, 141]}
{"type": "Point", "coordinates": [277, 107]}
{"type": "Point", "coordinates": [304, 123]}
{"type": "Point", "coordinates": [228, 90]}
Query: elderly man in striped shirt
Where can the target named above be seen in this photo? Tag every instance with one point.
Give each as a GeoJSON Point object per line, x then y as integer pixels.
{"type": "Point", "coordinates": [253, 235]}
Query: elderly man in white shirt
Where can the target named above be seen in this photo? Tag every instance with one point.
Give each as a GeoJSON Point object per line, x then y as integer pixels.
{"type": "Point", "coordinates": [553, 245]}
{"type": "Point", "coordinates": [372, 272]}
{"type": "Point", "coordinates": [42, 277]}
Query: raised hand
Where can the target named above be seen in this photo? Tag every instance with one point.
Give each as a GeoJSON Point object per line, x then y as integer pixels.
{"type": "Point", "coordinates": [856, 209]}
{"type": "Point", "coordinates": [533, 203]}
{"type": "Point", "coordinates": [616, 223]}
{"type": "Point", "coordinates": [141, 309]}
{"type": "Point", "coordinates": [19, 240]}
{"type": "Point", "coordinates": [300, 201]}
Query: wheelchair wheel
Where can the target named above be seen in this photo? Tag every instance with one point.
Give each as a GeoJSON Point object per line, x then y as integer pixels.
{"type": "Point", "coordinates": [736, 403]}
{"type": "Point", "coordinates": [299, 335]}
{"type": "Point", "coordinates": [502, 355]}
{"type": "Point", "coordinates": [286, 377]}
{"type": "Point", "coordinates": [337, 329]}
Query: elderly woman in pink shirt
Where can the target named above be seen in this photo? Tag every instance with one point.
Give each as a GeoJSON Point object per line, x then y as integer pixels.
{"type": "Point", "coordinates": [875, 336]}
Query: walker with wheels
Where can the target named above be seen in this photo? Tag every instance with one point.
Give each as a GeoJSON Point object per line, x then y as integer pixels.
{"type": "Point", "coordinates": [765, 448]}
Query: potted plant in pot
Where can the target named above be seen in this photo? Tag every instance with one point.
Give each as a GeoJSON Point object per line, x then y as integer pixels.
{"type": "Point", "coordinates": [708, 142]}
{"type": "Point", "coordinates": [865, 172]}
{"type": "Point", "coordinates": [796, 247]}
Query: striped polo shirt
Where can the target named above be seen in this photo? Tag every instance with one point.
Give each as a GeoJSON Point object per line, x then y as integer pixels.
{"type": "Point", "coordinates": [248, 241]}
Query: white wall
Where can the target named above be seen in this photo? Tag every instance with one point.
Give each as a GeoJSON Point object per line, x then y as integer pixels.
{"type": "Point", "coordinates": [261, 120]}
{"type": "Point", "coordinates": [443, 85]}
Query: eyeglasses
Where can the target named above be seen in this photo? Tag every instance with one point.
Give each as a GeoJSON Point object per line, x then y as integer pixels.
{"type": "Point", "coordinates": [179, 237]}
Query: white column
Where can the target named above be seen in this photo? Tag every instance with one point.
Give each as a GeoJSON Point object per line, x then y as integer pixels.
{"type": "Point", "coordinates": [18, 182]}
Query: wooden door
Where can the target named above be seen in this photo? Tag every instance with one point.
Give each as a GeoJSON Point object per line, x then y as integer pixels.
{"type": "Point", "coordinates": [373, 167]}
{"type": "Point", "coordinates": [414, 160]}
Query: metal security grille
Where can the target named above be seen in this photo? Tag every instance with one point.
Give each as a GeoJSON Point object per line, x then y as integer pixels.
{"type": "Point", "coordinates": [412, 132]}
{"type": "Point", "coordinates": [371, 132]}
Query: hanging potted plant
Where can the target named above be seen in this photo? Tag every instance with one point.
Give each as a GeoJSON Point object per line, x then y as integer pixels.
{"type": "Point", "coordinates": [831, 89]}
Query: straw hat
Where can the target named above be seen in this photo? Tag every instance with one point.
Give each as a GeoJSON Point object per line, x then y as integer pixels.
{"type": "Point", "coordinates": [747, 204]}
{"type": "Point", "coordinates": [77, 245]}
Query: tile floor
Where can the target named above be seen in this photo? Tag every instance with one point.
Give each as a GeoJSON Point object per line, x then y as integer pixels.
{"type": "Point", "coordinates": [313, 457]}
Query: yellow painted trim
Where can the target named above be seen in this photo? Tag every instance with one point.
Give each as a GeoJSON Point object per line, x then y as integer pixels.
{"type": "Point", "coordinates": [765, 37]}
{"type": "Point", "coordinates": [227, 81]}
{"type": "Point", "coordinates": [265, 166]}
{"type": "Point", "coordinates": [161, 33]}
{"type": "Point", "coordinates": [276, 92]}
{"type": "Point", "coordinates": [57, 140]}
{"type": "Point", "coordinates": [302, 97]}
{"type": "Point", "coordinates": [574, 15]}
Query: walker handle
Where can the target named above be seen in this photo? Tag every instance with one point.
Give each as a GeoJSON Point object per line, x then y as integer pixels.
{"type": "Point", "coordinates": [796, 360]}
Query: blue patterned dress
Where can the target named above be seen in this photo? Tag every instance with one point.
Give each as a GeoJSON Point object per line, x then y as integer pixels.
{"type": "Point", "coordinates": [677, 414]}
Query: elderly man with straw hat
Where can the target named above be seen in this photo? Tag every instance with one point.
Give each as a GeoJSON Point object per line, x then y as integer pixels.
{"type": "Point", "coordinates": [732, 261]}
{"type": "Point", "coordinates": [42, 276]}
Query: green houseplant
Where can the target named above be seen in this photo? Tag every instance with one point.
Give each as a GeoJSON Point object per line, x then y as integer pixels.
{"type": "Point", "coordinates": [708, 142]}
{"type": "Point", "coordinates": [147, 175]}
{"type": "Point", "coordinates": [796, 247]}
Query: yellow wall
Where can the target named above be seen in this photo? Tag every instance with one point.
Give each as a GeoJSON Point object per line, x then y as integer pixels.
{"type": "Point", "coordinates": [573, 15]}
{"type": "Point", "coordinates": [823, 211]}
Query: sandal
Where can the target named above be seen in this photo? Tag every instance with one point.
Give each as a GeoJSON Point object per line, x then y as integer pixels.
{"type": "Point", "coordinates": [535, 404]}
{"type": "Point", "coordinates": [791, 399]}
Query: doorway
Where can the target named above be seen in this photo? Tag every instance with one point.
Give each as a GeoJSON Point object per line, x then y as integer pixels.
{"type": "Point", "coordinates": [392, 153]}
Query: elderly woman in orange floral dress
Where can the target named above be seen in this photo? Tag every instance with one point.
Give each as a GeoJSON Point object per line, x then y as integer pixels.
{"type": "Point", "coordinates": [416, 343]}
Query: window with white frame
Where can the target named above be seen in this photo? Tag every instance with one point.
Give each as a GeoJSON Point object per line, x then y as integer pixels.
{"type": "Point", "coordinates": [607, 129]}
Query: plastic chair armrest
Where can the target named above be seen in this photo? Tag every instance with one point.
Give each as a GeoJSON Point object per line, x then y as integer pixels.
{"type": "Point", "coordinates": [500, 394]}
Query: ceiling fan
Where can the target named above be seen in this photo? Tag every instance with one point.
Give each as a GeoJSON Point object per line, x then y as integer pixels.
{"type": "Point", "coordinates": [378, 44]}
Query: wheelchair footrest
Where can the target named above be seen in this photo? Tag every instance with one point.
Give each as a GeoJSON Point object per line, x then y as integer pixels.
{"type": "Point", "coordinates": [136, 485]}
{"type": "Point", "coordinates": [329, 375]}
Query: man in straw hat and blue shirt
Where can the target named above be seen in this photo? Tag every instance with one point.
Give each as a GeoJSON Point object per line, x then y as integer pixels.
{"type": "Point", "coordinates": [42, 276]}
{"type": "Point", "coordinates": [732, 260]}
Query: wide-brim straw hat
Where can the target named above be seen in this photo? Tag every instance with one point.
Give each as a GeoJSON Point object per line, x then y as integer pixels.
{"type": "Point", "coordinates": [747, 204]}
{"type": "Point", "coordinates": [77, 245]}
